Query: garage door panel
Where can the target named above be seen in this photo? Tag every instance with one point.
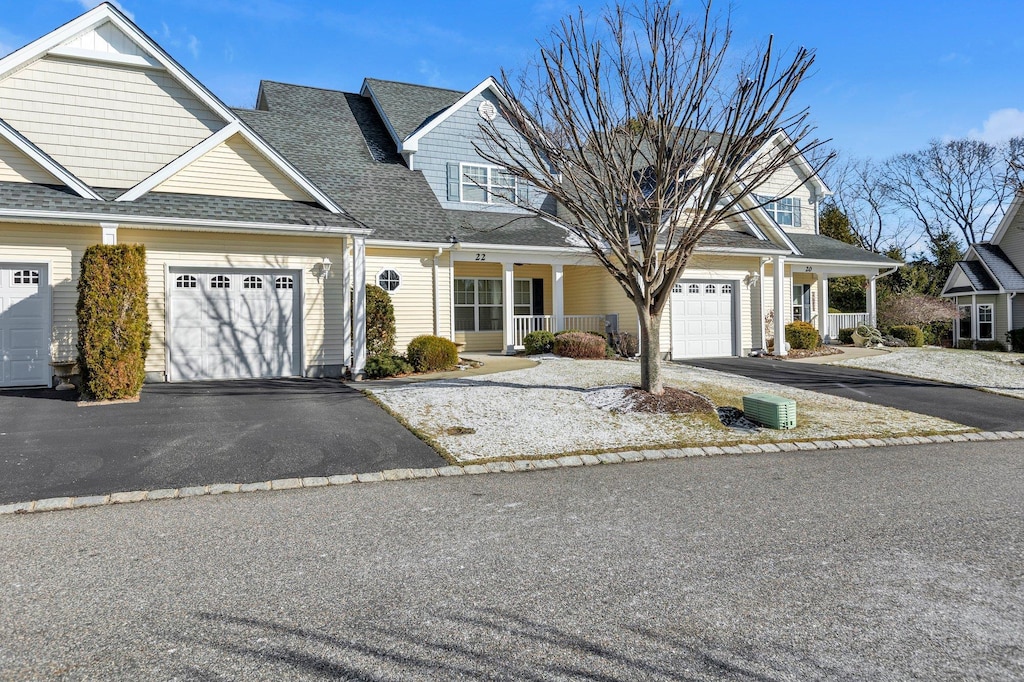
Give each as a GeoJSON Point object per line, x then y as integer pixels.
{"type": "Point", "coordinates": [703, 321]}
{"type": "Point", "coordinates": [232, 325]}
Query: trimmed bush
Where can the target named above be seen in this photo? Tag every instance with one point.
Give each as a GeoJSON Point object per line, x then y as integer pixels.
{"type": "Point", "coordinates": [431, 353]}
{"type": "Point", "coordinates": [911, 334]}
{"type": "Point", "coordinates": [802, 335]}
{"type": "Point", "coordinates": [539, 342]}
{"type": "Point", "coordinates": [1015, 339]}
{"type": "Point", "coordinates": [380, 323]}
{"type": "Point", "coordinates": [846, 335]}
{"type": "Point", "coordinates": [990, 346]}
{"type": "Point", "coordinates": [581, 346]}
{"type": "Point", "coordinates": [113, 321]}
{"type": "Point", "coordinates": [383, 366]}
{"type": "Point", "coordinates": [965, 344]}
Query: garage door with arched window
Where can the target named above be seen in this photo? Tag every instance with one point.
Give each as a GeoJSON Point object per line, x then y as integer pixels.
{"type": "Point", "coordinates": [704, 319]}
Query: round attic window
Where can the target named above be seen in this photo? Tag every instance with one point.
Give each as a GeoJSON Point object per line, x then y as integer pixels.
{"type": "Point", "coordinates": [487, 110]}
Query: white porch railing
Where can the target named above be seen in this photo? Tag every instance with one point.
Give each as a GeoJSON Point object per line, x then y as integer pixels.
{"type": "Point", "coordinates": [837, 321]}
{"type": "Point", "coordinates": [524, 324]}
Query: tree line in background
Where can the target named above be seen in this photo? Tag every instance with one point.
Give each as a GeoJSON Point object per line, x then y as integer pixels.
{"type": "Point", "coordinates": [924, 208]}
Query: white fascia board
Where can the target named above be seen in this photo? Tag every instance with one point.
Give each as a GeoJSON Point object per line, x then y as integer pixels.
{"type": "Point", "coordinates": [779, 233]}
{"type": "Point", "coordinates": [949, 279]}
{"type": "Point", "coordinates": [367, 91]}
{"type": "Point", "coordinates": [1008, 217]}
{"type": "Point", "coordinates": [46, 162]}
{"type": "Point", "coordinates": [738, 251]}
{"type": "Point", "coordinates": [412, 143]}
{"type": "Point", "coordinates": [398, 244]}
{"type": "Point", "coordinates": [193, 224]}
{"type": "Point", "coordinates": [800, 161]}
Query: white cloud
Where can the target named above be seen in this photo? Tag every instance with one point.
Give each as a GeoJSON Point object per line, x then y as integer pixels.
{"type": "Point", "coordinates": [193, 46]}
{"type": "Point", "coordinates": [89, 4]}
{"type": "Point", "coordinates": [1000, 126]}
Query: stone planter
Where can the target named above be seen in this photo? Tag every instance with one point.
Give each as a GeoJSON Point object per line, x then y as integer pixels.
{"type": "Point", "coordinates": [64, 371]}
{"type": "Point", "coordinates": [858, 340]}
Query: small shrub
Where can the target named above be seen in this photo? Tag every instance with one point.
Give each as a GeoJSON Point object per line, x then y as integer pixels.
{"type": "Point", "coordinates": [891, 341]}
{"type": "Point", "coordinates": [911, 334]}
{"type": "Point", "coordinates": [113, 320]}
{"type": "Point", "coordinates": [846, 335]}
{"type": "Point", "coordinates": [383, 366]}
{"type": "Point", "coordinates": [431, 353]}
{"type": "Point", "coordinates": [802, 335]}
{"type": "Point", "coordinates": [1015, 339]}
{"type": "Point", "coordinates": [539, 342]}
{"type": "Point", "coordinates": [380, 323]}
{"type": "Point", "coordinates": [965, 344]}
{"type": "Point", "coordinates": [627, 345]}
{"type": "Point", "coordinates": [990, 346]}
{"type": "Point", "coordinates": [580, 345]}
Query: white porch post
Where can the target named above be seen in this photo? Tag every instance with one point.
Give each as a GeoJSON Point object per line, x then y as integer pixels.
{"type": "Point", "coordinates": [557, 298]}
{"type": "Point", "coordinates": [779, 276]}
{"type": "Point", "coordinates": [872, 302]}
{"type": "Point", "coordinates": [109, 233]}
{"type": "Point", "coordinates": [823, 308]}
{"type": "Point", "coordinates": [359, 307]}
{"type": "Point", "coordinates": [346, 301]}
{"type": "Point", "coordinates": [508, 308]}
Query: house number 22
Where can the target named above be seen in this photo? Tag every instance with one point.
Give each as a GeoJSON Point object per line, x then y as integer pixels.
{"type": "Point", "coordinates": [481, 256]}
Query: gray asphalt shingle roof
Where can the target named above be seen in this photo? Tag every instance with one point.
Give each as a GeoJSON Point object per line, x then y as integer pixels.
{"type": "Point", "coordinates": [60, 199]}
{"type": "Point", "coordinates": [339, 142]}
{"type": "Point", "coordinates": [977, 275]}
{"type": "Point", "coordinates": [820, 247]}
{"type": "Point", "coordinates": [1001, 266]}
{"type": "Point", "coordinates": [408, 106]}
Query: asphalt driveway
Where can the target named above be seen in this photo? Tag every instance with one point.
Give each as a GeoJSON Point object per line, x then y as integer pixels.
{"type": "Point", "coordinates": [986, 411]}
{"type": "Point", "coordinates": [195, 434]}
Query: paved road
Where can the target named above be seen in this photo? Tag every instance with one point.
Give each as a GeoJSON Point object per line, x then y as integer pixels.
{"type": "Point", "coordinates": [891, 563]}
{"type": "Point", "coordinates": [195, 434]}
{"type": "Point", "coordinates": [986, 411]}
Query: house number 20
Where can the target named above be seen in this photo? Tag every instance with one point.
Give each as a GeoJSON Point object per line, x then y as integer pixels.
{"type": "Point", "coordinates": [481, 256]}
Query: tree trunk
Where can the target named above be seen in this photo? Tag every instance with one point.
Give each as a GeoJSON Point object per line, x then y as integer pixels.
{"type": "Point", "coordinates": [650, 351]}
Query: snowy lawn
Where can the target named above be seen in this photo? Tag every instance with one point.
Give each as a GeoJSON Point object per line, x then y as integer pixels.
{"type": "Point", "coordinates": [995, 372]}
{"type": "Point", "coordinates": [567, 406]}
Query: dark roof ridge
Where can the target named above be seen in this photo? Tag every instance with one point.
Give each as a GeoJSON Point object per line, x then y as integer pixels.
{"type": "Point", "coordinates": [308, 87]}
{"type": "Point", "coordinates": [417, 85]}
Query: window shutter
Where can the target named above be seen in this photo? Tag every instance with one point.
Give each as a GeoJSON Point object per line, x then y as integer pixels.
{"type": "Point", "coordinates": [453, 182]}
{"type": "Point", "coordinates": [522, 192]}
{"type": "Point", "coordinates": [796, 212]}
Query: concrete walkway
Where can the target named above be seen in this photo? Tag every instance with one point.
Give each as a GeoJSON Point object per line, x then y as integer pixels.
{"type": "Point", "coordinates": [492, 364]}
{"type": "Point", "coordinates": [849, 353]}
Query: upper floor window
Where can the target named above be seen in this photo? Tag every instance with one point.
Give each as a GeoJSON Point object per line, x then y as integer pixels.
{"type": "Point", "coordinates": [487, 184]}
{"type": "Point", "coordinates": [786, 212]}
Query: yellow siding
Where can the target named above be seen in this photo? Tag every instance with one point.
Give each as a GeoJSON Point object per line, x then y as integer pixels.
{"type": "Point", "coordinates": [112, 126]}
{"type": "Point", "coordinates": [234, 169]}
{"type": "Point", "coordinates": [414, 299]}
{"type": "Point", "coordinates": [789, 181]}
{"type": "Point", "coordinates": [63, 248]}
{"type": "Point", "coordinates": [590, 290]}
{"type": "Point", "coordinates": [323, 301]}
{"type": "Point", "coordinates": [480, 341]}
{"type": "Point", "coordinates": [16, 167]}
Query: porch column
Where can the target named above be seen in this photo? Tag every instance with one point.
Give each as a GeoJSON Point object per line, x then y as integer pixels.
{"type": "Point", "coordinates": [346, 301]}
{"type": "Point", "coordinates": [557, 299]}
{"type": "Point", "coordinates": [109, 233]}
{"type": "Point", "coordinates": [779, 277]}
{"type": "Point", "coordinates": [872, 302]}
{"type": "Point", "coordinates": [823, 308]}
{"type": "Point", "coordinates": [508, 308]}
{"type": "Point", "coordinates": [359, 307]}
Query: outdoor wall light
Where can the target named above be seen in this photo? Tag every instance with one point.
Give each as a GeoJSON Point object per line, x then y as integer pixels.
{"type": "Point", "coordinates": [323, 268]}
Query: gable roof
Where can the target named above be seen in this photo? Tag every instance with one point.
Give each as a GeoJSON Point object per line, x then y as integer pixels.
{"type": "Point", "coordinates": [46, 162]}
{"type": "Point", "coordinates": [406, 107]}
{"type": "Point", "coordinates": [999, 265]}
{"type": "Point", "coordinates": [976, 274]}
{"type": "Point", "coordinates": [340, 142]}
{"type": "Point", "coordinates": [820, 247]}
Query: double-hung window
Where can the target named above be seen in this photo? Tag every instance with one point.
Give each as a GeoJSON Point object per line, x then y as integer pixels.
{"type": "Point", "coordinates": [986, 326]}
{"type": "Point", "coordinates": [487, 184]}
{"type": "Point", "coordinates": [785, 212]}
{"type": "Point", "coordinates": [477, 305]}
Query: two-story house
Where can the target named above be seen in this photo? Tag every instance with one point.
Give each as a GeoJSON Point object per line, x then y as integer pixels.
{"type": "Point", "coordinates": [262, 224]}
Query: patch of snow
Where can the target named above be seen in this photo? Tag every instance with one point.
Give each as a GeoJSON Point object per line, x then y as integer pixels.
{"type": "Point", "coordinates": [612, 398]}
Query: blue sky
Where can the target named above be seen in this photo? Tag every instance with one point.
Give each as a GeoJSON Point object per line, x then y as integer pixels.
{"type": "Point", "coordinates": [889, 75]}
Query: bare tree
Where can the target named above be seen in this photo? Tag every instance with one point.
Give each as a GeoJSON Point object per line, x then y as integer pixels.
{"type": "Point", "coordinates": [648, 136]}
{"type": "Point", "coordinates": [861, 193]}
{"type": "Point", "coordinates": [960, 185]}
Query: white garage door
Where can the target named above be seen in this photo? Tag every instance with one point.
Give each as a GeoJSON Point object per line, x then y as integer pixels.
{"type": "Point", "coordinates": [230, 324]}
{"type": "Point", "coordinates": [24, 325]}
{"type": "Point", "coordinates": [703, 320]}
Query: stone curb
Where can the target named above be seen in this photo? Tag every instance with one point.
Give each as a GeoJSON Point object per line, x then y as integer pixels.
{"type": "Point", "coordinates": [564, 462]}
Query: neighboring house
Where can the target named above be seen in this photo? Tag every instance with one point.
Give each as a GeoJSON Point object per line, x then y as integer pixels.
{"type": "Point", "coordinates": [258, 222]}
{"type": "Point", "coordinates": [984, 286]}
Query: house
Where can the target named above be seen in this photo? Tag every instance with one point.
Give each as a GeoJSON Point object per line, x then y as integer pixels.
{"type": "Point", "coordinates": [984, 286]}
{"type": "Point", "coordinates": [258, 222]}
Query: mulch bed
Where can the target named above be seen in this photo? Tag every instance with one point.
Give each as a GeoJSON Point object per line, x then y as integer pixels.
{"type": "Point", "coordinates": [797, 354]}
{"type": "Point", "coordinates": [672, 401]}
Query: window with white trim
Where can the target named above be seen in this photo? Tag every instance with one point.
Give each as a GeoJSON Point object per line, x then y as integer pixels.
{"type": "Point", "coordinates": [785, 212]}
{"type": "Point", "coordinates": [186, 282]}
{"type": "Point", "coordinates": [677, 288]}
{"type": "Point", "coordinates": [710, 288]}
{"type": "Point", "coordinates": [477, 305]}
{"type": "Point", "coordinates": [986, 325]}
{"type": "Point", "coordinates": [964, 323]}
{"type": "Point", "coordinates": [389, 280]}
{"type": "Point", "coordinates": [523, 296]}
{"type": "Point", "coordinates": [26, 277]}
{"type": "Point", "coordinates": [726, 288]}
{"type": "Point", "coordinates": [694, 289]}
{"type": "Point", "coordinates": [252, 282]}
{"type": "Point", "coordinates": [284, 282]}
{"type": "Point", "coordinates": [220, 282]}
{"type": "Point", "coordinates": [487, 184]}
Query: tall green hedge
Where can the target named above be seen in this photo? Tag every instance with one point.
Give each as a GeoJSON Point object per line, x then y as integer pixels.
{"type": "Point", "coordinates": [113, 321]}
{"type": "Point", "coordinates": [380, 323]}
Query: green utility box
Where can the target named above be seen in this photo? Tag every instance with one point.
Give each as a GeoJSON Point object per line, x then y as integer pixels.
{"type": "Point", "coordinates": [771, 410]}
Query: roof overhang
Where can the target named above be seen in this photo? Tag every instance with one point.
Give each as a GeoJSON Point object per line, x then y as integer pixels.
{"type": "Point", "coordinates": [46, 162]}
